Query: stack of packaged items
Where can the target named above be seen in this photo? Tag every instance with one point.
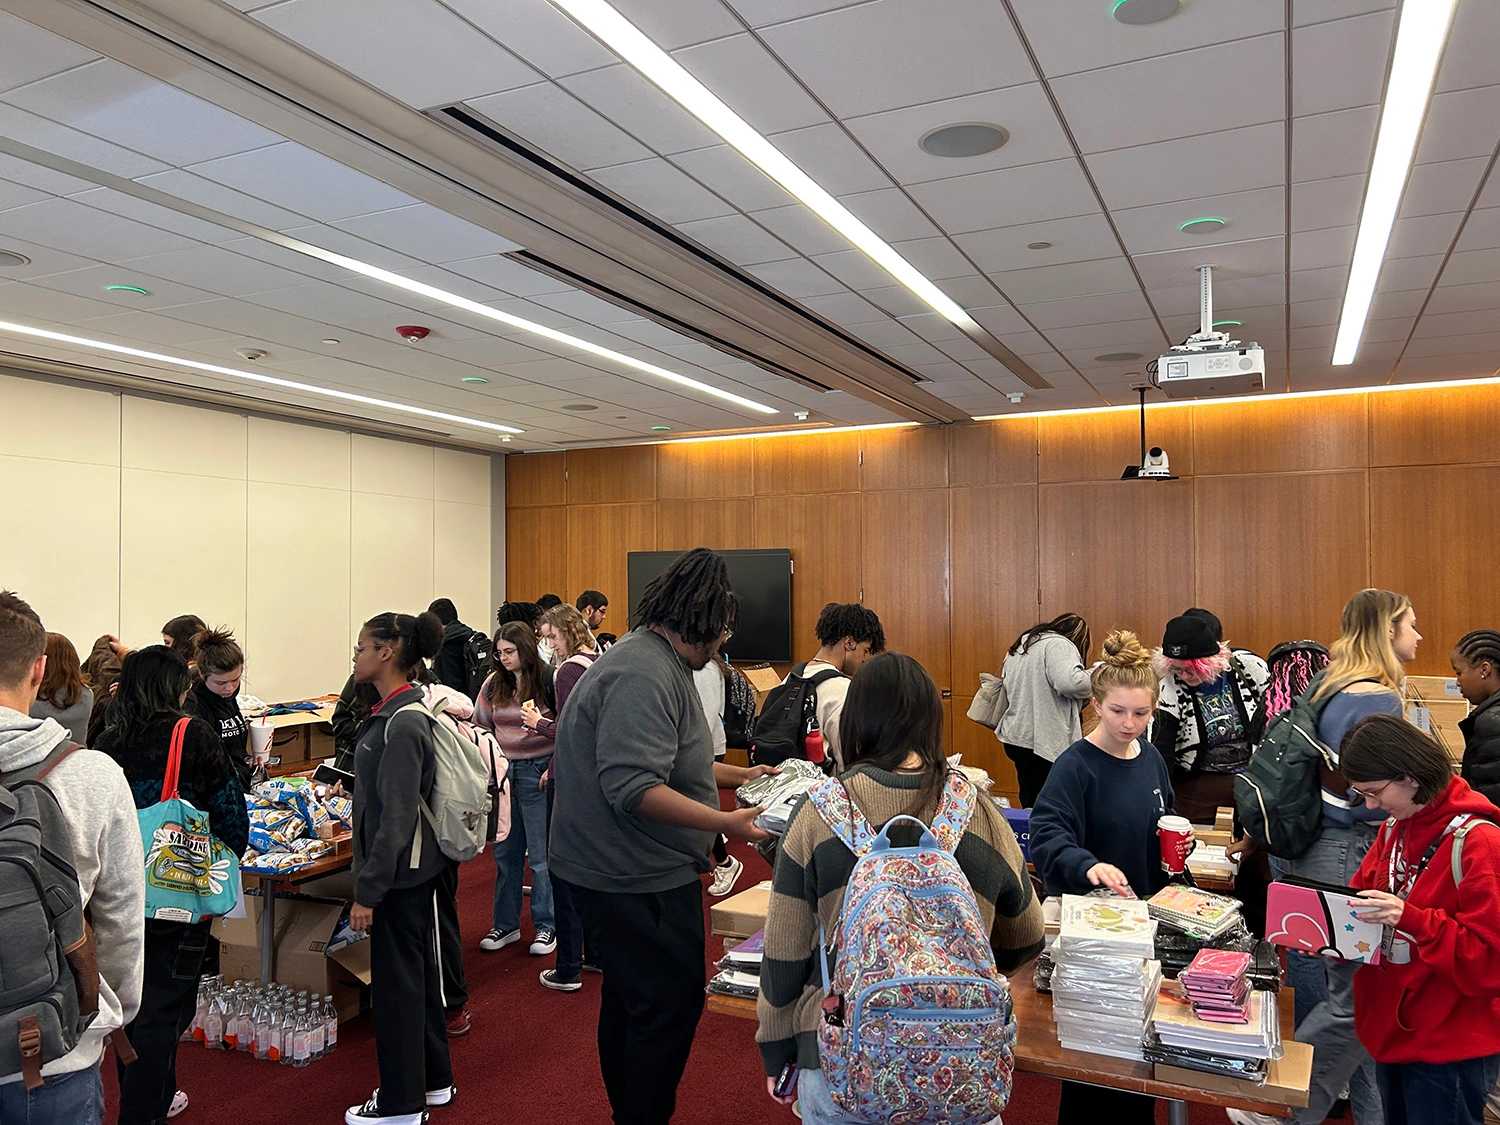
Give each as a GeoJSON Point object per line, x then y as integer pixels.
{"type": "Point", "coordinates": [1216, 985]}
{"type": "Point", "coordinates": [1104, 976]}
{"type": "Point", "coordinates": [739, 968]}
{"type": "Point", "coordinates": [291, 825]}
{"type": "Point", "coordinates": [1184, 1037]}
{"type": "Point", "coordinates": [1195, 912]}
{"type": "Point", "coordinates": [779, 793]}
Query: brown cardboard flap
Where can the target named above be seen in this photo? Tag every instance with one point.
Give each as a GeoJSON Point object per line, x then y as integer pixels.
{"type": "Point", "coordinates": [742, 914]}
{"type": "Point", "coordinates": [355, 959]}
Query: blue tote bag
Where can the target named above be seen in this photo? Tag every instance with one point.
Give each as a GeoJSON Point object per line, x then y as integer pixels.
{"type": "Point", "coordinates": [190, 874]}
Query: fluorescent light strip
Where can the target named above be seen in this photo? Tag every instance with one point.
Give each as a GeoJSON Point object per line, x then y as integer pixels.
{"type": "Point", "coordinates": [622, 37]}
{"type": "Point", "coordinates": [1445, 384]}
{"type": "Point", "coordinates": [252, 376]}
{"type": "Point", "coordinates": [1419, 48]}
{"type": "Point", "coordinates": [810, 431]}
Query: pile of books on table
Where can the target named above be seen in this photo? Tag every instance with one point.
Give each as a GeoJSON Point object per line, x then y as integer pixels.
{"type": "Point", "coordinates": [1197, 1038]}
{"type": "Point", "coordinates": [1195, 912]}
{"type": "Point", "coordinates": [1193, 920]}
{"type": "Point", "coordinates": [1105, 978]}
{"type": "Point", "coordinates": [739, 968]}
{"type": "Point", "coordinates": [1216, 986]}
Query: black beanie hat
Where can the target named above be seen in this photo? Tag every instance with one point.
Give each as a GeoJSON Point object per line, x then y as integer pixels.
{"type": "Point", "coordinates": [1188, 638]}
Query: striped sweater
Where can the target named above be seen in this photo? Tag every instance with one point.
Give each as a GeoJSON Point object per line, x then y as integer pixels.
{"type": "Point", "coordinates": [812, 868]}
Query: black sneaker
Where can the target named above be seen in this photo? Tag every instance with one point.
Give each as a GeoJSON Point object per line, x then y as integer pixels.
{"type": "Point", "coordinates": [498, 939]}
{"type": "Point", "coordinates": [369, 1114]}
{"type": "Point", "coordinates": [592, 966]}
{"type": "Point", "coordinates": [545, 943]}
{"type": "Point", "coordinates": [554, 980]}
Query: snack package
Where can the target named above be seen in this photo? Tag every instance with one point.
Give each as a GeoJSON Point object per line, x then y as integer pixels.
{"type": "Point", "coordinates": [340, 808]}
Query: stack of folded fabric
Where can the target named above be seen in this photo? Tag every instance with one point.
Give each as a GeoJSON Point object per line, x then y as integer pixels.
{"type": "Point", "coordinates": [739, 968]}
{"type": "Point", "coordinates": [1217, 987]}
{"type": "Point", "coordinates": [1105, 979]}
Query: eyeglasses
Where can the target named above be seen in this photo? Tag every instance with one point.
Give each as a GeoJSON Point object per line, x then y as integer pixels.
{"type": "Point", "coordinates": [1373, 794]}
{"type": "Point", "coordinates": [727, 634]}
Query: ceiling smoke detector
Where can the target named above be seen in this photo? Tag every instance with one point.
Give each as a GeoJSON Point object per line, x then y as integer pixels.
{"type": "Point", "coordinates": [254, 355]}
{"type": "Point", "coordinates": [967, 138]}
{"type": "Point", "coordinates": [413, 333]}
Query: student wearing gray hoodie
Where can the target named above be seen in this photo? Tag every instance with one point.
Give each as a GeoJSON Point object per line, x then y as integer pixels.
{"type": "Point", "coordinates": [99, 810]}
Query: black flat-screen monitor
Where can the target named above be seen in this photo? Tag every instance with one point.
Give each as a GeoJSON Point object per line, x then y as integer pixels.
{"type": "Point", "coordinates": [763, 581]}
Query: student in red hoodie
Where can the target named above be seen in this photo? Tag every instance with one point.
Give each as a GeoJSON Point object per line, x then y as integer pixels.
{"type": "Point", "coordinates": [1429, 1013]}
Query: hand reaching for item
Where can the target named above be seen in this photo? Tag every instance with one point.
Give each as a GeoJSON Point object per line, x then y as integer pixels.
{"type": "Point", "coordinates": [1108, 875]}
{"type": "Point", "coordinates": [530, 716]}
{"type": "Point", "coordinates": [740, 824]}
{"type": "Point", "coordinates": [1385, 909]}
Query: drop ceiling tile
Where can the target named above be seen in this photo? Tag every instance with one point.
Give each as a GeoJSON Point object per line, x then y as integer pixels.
{"type": "Point", "coordinates": [846, 309]}
{"type": "Point", "coordinates": [303, 181]}
{"type": "Point", "coordinates": [19, 195]}
{"type": "Point", "coordinates": [1402, 303]}
{"type": "Point", "coordinates": [1321, 11]}
{"type": "Point", "coordinates": [1098, 339]}
{"type": "Point", "coordinates": [1008, 196]}
{"type": "Point", "coordinates": [1479, 366]}
{"type": "Point", "coordinates": [797, 278]}
{"type": "Point", "coordinates": [537, 31]}
{"type": "Point", "coordinates": [556, 123]}
{"type": "Point", "coordinates": [1342, 64]}
{"type": "Point", "coordinates": [1435, 189]}
{"type": "Point", "coordinates": [1331, 246]}
{"type": "Point", "coordinates": [217, 269]}
{"type": "Point", "coordinates": [1436, 325]}
{"type": "Point", "coordinates": [1251, 214]}
{"type": "Point", "coordinates": [1231, 260]}
{"type": "Point", "coordinates": [1433, 234]}
{"type": "Point", "coordinates": [737, 239]}
{"type": "Point", "coordinates": [341, 242]}
{"type": "Point", "coordinates": [1078, 239]}
{"type": "Point", "coordinates": [1385, 330]}
{"type": "Point", "coordinates": [507, 276]}
{"type": "Point", "coordinates": [970, 291]}
{"type": "Point", "coordinates": [1023, 111]}
{"type": "Point", "coordinates": [1334, 144]}
{"type": "Point", "coordinates": [125, 107]}
{"type": "Point", "coordinates": [1473, 46]}
{"type": "Point", "coordinates": [891, 214]}
{"type": "Point", "coordinates": [585, 307]}
{"type": "Point", "coordinates": [28, 53]}
{"type": "Point", "coordinates": [860, 272]}
{"type": "Point", "coordinates": [879, 56]}
{"type": "Point", "coordinates": [330, 304]}
{"type": "Point", "coordinates": [1482, 296]}
{"type": "Point", "coordinates": [69, 225]}
{"type": "Point", "coordinates": [671, 24]}
{"type": "Point", "coordinates": [1074, 35]}
{"type": "Point", "coordinates": [1231, 86]}
{"type": "Point", "coordinates": [74, 144]}
{"type": "Point", "coordinates": [798, 227]}
{"type": "Point", "coordinates": [1317, 204]}
{"type": "Point", "coordinates": [427, 233]}
{"type": "Point", "coordinates": [1074, 279]}
{"type": "Point", "coordinates": [206, 193]}
{"type": "Point", "coordinates": [752, 83]}
{"type": "Point", "coordinates": [91, 282]}
{"type": "Point", "coordinates": [1070, 311]}
{"type": "Point", "coordinates": [1467, 267]}
{"type": "Point", "coordinates": [414, 50]}
{"type": "Point", "coordinates": [1411, 273]}
{"type": "Point", "coordinates": [1255, 156]}
{"type": "Point", "coordinates": [933, 257]}
{"type": "Point", "coordinates": [662, 191]}
{"type": "Point", "coordinates": [1229, 293]}
{"type": "Point", "coordinates": [723, 171]}
{"type": "Point", "coordinates": [1449, 132]}
{"type": "Point", "coordinates": [33, 303]}
{"type": "Point", "coordinates": [633, 103]}
{"type": "Point", "coordinates": [827, 154]}
{"type": "Point", "coordinates": [131, 207]}
{"type": "Point", "coordinates": [152, 331]}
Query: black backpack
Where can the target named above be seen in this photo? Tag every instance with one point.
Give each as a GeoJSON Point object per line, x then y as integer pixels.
{"type": "Point", "coordinates": [476, 662]}
{"type": "Point", "coordinates": [790, 712]}
{"type": "Point", "coordinates": [1279, 797]}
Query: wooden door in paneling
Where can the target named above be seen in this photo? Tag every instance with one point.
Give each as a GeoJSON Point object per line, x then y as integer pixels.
{"type": "Point", "coordinates": [723, 525]}
{"type": "Point", "coordinates": [1278, 437]}
{"type": "Point", "coordinates": [806, 463]}
{"type": "Point", "coordinates": [1086, 446]}
{"type": "Point", "coordinates": [600, 536]}
{"type": "Point", "coordinates": [535, 480]}
{"type": "Point", "coordinates": [822, 530]}
{"type": "Point", "coordinates": [696, 470]}
{"type": "Point", "coordinates": [906, 458]}
{"type": "Point", "coordinates": [904, 545]}
{"type": "Point", "coordinates": [1119, 553]}
{"type": "Point", "coordinates": [1280, 554]}
{"type": "Point", "coordinates": [611, 476]}
{"type": "Point", "coordinates": [1435, 426]}
{"type": "Point", "coordinates": [992, 452]}
{"type": "Point", "coordinates": [1433, 538]}
{"type": "Point", "coordinates": [994, 576]}
{"type": "Point", "coordinates": [536, 555]}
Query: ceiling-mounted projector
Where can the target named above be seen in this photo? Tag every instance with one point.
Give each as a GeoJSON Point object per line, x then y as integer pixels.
{"type": "Point", "coordinates": [1209, 363]}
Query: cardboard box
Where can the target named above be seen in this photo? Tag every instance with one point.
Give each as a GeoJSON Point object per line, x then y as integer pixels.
{"type": "Point", "coordinates": [763, 679]}
{"type": "Point", "coordinates": [304, 929]}
{"type": "Point", "coordinates": [742, 914]}
{"type": "Point", "coordinates": [1432, 687]}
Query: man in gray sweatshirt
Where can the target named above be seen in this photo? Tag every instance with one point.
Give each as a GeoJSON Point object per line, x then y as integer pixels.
{"type": "Point", "coordinates": [99, 811]}
{"type": "Point", "coordinates": [637, 807]}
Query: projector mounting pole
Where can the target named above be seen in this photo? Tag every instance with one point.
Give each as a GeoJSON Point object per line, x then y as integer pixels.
{"type": "Point", "coordinates": [1141, 390]}
{"type": "Point", "coordinates": [1206, 300]}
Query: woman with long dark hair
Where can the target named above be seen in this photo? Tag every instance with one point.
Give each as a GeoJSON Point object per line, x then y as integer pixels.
{"type": "Point", "coordinates": [1046, 686]}
{"type": "Point", "coordinates": [148, 703]}
{"type": "Point", "coordinates": [519, 678]}
{"type": "Point", "coordinates": [65, 694]}
{"type": "Point", "coordinates": [395, 899]}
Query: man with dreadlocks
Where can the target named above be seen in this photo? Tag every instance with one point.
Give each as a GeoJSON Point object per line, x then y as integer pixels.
{"type": "Point", "coordinates": [637, 807]}
{"type": "Point", "coordinates": [1476, 662]}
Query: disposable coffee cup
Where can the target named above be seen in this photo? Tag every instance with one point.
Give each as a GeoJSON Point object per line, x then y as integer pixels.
{"type": "Point", "coordinates": [1176, 835]}
{"type": "Point", "coordinates": [260, 741]}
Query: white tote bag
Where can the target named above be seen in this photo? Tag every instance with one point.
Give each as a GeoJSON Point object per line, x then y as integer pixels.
{"type": "Point", "coordinates": [990, 702]}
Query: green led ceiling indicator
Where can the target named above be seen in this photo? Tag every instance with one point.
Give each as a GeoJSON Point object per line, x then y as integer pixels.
{"type": "Point", "coordinates": [661, 427]}
{"type": "Point", "coordinates": [1205, 225]}
{"type": "Point", "coordinates": [127, 289]}
{"type": "Point", "coordinates": [475, 379]}
{"type": "Point", "coordinates": [1228, 323]}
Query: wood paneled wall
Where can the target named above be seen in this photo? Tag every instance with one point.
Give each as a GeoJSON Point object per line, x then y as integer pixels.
{"type": "Point", "coordinates": [962, 536]}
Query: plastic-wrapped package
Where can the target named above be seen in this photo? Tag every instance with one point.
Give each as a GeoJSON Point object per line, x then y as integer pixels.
{"type": "Point", "coordinates": [733, 983]}
{"type": "Point", "coordinates": [767, 788]}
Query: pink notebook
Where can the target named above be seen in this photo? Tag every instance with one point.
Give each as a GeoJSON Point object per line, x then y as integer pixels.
{"type": "Point", "coordinates": [1320, 919]}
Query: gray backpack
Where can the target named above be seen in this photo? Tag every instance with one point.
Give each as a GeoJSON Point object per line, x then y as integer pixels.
{"type": "Point", "coordinates": [49, 976]}
{"type": "Point", "coordinates": [459, 810]}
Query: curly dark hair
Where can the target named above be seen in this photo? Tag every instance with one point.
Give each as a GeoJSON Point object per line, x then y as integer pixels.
{"type": "Point", "coordinates": [691, 598]}
{"type": "Point", "coordinates": [850, 619]}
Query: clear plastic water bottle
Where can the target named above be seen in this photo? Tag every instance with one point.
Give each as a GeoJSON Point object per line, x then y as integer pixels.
{"type": "Point", "coordinates": [302, 1037]}
{"type": "Point", "coordinates": [195, 1029]}
{"type": "Point", "coordinates": [263, 1027]}
{"type": "Point", "coordinates": [319, 1028]}
{"type": "Point", "coordinates": [245, 1028]}
{"type": "Point", "coordinates": [288, 1032]}
{"type": "Point", "coordinates": [213, 1022]}
{"type": "Point", "coordinates": [330, 1026]}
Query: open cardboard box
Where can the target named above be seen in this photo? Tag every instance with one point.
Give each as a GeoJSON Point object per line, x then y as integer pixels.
{"type": "Point", "coordinates": [742, 914]}
{"type": "Point", "coordinates": [762, 681]}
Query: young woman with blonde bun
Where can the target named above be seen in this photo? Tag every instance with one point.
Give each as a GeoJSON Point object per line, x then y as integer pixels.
{"type": "Point", "coordinates": [1094, 825]}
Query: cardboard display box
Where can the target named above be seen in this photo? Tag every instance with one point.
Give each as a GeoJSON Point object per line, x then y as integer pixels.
{"type": "Point", "coordinates": [742, 914]}
{"type": "Point", "coordinates": [1432, 687]}
{"type": "Point", "coordinates": [304, 930]}
{"type": "Point", "coordinates": [763, 679]}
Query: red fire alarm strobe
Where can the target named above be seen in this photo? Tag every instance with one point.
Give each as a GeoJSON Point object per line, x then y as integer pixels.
{"type": "Point", "coordinates": [412, 333]}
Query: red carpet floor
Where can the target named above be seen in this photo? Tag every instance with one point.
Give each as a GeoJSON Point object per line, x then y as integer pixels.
{"type": "Point", "coordinates": [530, 1058]}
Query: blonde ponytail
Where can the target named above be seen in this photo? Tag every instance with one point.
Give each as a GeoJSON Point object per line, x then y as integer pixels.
{"type": "Point", "coordinates": [1126, 664]}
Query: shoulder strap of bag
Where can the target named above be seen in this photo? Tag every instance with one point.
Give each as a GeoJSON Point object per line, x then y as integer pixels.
{"type": "Point", "coordinates": [1458, 845]}
{"type": "Point", "coordinates": [174, 759]}
{"type": "Point", "coordinates": [836, 808]}
{"type": "Point", "coordinates": [39, 771]}
{"type": "Point", "coordinates": [424, 810]}
{"type": "Point", "coordinates": [955, 810]}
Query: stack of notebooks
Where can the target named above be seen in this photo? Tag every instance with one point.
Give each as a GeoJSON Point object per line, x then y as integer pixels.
{"type": "Point", "coordinates": [1217, 987]}
{"type": "Point", "coordinates": [1104, 980]}
{"type": "Point", "coordinates": [1195, 912]}
{"type": "Point", "coordinates": [739, 968]}
{"type": "Point", "coordinates": [1181, 1036]}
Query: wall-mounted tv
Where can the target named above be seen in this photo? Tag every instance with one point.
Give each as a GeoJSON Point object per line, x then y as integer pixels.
{"type": "Point", "coordinates": [763, 581]}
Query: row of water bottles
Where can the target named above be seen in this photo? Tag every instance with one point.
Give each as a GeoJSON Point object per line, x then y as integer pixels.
{"type": "Point", "coordinates": [272, 1021]}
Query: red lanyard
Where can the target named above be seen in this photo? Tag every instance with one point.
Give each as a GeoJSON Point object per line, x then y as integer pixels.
{"type": "Point", "coordinates": [390, 697]}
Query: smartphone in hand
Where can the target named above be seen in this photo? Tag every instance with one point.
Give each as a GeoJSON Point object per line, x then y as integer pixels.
{"type": "Point", "coordinates": [786, 1081]}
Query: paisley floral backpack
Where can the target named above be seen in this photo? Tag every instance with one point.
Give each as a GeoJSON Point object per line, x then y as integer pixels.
{"type": "Point", "coordinates": [917, 1021]}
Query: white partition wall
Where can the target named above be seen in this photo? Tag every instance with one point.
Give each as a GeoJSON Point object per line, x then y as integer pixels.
{"type": "Point", "coordinates": [120, 512]}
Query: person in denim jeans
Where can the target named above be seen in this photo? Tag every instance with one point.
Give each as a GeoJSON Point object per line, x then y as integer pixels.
{"type": "Point", "coordinates": [74, 1098]}
{"type": "Point", "coordinates": [519, 678]}
{"type": "Point", "coordinates": [1379, 635]}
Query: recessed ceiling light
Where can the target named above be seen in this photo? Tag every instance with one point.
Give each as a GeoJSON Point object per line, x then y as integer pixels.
{"type": "Point", "coordinates": [967, 138]}
{"type": "Point", "coordinates": [1228, 323]}
{"type": "Point", "coordinates": [1136, 12]}
{"type": "Point", "coordinates": [127, 289]}
{"type": "Point", "coordinates": [627, 41]}
{"type": "Point", "coordinates": [580, 406]}
{"type": "Point", "coordinates": [661, 427]}
{"type": "Point", "coordinates": [1117, 357]}
{"type": "Point", "coordinates": [9, 258]}
{"type": "Point", "coordinates": [1420, 36]}
{"type": "Point", "coordinates": [1039, 246]}
{"type": "Point", "coordinates": [621, 417]}
{"type": "Point", "coordinates": [251, 376]}
{"type": "Point", "coordinates": [475, 379]}
{"type": "Point", "coordinates": [1205, 225]}
{"type": "Point", "coordinates": [330, 340]}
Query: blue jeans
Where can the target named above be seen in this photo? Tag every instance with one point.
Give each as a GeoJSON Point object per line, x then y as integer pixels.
{"type": "Point", "coordinates": [1437, 1093]}
{"type": "Point", "coordinates": [528, 832]}
{"type": "Point", "coordinates": [816, 1106]}
{"type": "Point", "coordinates": [68, 1099]}
{"type": "Point", "coordinates": [1339, 1059]}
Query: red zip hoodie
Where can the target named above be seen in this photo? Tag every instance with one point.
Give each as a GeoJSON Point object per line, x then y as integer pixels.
{"type": "Point", "coordinates": [1444, 1005]}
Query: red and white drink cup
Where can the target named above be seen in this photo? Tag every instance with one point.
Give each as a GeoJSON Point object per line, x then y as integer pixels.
{"type": "Point", "coordinates": [1176, 835]}
{"type": "Point", "coordinates": [260, 741]}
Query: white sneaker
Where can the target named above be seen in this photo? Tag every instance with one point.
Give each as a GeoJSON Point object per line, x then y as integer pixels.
{"type": "Point", "coordinates": [368, 1114]}
{"type": "Point", "coordinates": [1245, 1117]}
{"type": "Point", "coordinates": [443, 1096]}
{"type": "Point", "coordinates": [179, 1103]}
{"type": "Point", "coordinates": [725, 876]}
{"type": "Point", "coordinates": [545, 943]}
{"type": "Point", "coordinates": [497, 939]}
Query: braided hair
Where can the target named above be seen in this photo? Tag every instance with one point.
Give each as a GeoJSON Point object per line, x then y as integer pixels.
{"type": "Point", "coordinates": [691, 598]}
{"type": "Point", "coordinates": [1481, 644]}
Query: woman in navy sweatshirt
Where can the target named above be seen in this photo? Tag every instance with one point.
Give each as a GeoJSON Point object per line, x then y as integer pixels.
{"type": "Point", "coordinates": [1094, 825]}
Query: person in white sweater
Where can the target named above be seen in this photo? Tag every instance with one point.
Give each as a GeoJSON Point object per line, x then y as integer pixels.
{"type": "Point", "coordinates": [99, 810]}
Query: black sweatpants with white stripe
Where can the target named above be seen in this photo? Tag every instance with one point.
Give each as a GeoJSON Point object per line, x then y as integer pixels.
{"type": "Point", "coordinates": [406, 999]}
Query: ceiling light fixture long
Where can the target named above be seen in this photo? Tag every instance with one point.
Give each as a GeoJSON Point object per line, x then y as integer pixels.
{"type": "Point", "coordinates": [627, 41]}
{"type": "Point", "coordinates": [251, 376]}
{"type": "Point", "coordinates": [1420, 36]}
